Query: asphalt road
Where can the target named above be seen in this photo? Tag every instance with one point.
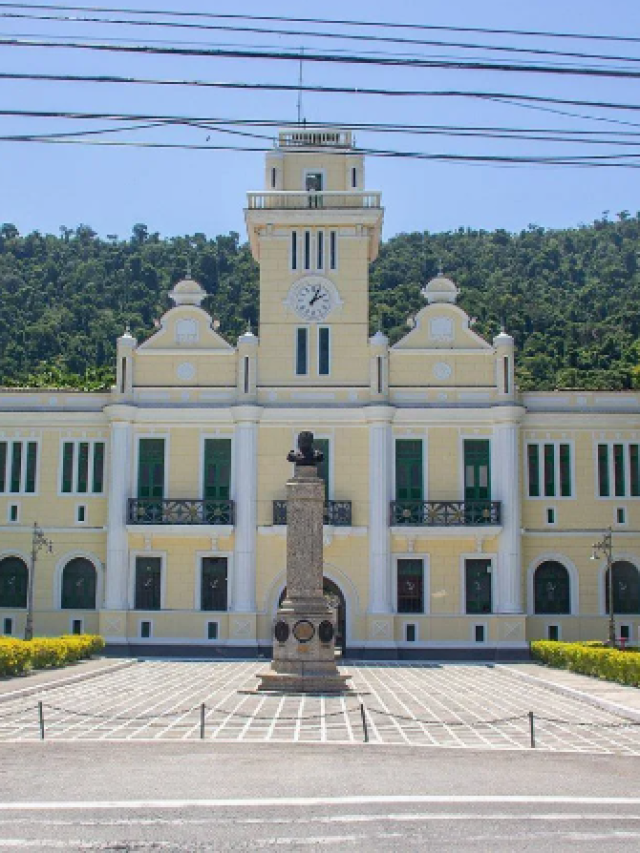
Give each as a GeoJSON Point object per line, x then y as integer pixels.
{"type": "Point", "coordinates": [203, 797]}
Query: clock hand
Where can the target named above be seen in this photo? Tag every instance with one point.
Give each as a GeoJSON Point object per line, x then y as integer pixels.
{"type": "Point", "coordinates": [316, 296]}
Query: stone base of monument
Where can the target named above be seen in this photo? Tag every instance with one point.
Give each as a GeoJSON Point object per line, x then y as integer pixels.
{"type": "Point", "coordinates": [304, 650]}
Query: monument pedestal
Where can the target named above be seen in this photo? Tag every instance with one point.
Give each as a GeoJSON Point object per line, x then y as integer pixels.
{"type": "Point", "coordinates": [305, 627]}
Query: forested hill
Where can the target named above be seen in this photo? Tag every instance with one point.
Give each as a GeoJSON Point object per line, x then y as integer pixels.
{"type": "Point", "coordinates": [571, 297]}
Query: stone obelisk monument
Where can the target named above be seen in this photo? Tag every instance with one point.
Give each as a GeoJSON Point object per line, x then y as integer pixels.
{"type": "Point", "coordinates": [305, 625]}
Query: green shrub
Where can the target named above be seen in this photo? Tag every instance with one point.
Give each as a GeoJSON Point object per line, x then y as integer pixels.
{"type": "Point", "coordinates": [19, 656]}
{"type": "Point", "coordinates": [591, 658]}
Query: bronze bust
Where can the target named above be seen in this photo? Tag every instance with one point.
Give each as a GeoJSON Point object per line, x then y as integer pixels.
{"type": "Point", "coordinates": [305, 455]}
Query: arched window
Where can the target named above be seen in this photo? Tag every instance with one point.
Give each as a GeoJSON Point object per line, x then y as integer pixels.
{"type": "Point", "coordinates": [14, 580]}
{"type": "Point", "coordinates": [79, 585]}
{"type": "Point", "coordinates": [626, 588]}
{"type": "Point", "coordinates": [552, 588]}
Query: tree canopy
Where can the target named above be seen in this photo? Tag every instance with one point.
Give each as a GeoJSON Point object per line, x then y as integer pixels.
{"type": "Point", "coordinates": [569, 297]}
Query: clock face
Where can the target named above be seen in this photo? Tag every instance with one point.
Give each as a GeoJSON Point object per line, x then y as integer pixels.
{"type": "Point", "coordinates": [312, 299]}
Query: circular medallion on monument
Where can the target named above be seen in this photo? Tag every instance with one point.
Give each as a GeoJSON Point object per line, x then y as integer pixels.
{"type": "Point", "coordinates": [281, 632]}
{"type": "Point", "coordinates": [313, 297]}
{"type": "Point", "coordinates": [325, 631]}
{"type": "Point", "coordinates": [303, 631]}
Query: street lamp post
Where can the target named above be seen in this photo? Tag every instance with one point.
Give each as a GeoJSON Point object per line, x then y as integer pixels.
{"type": "Point", "coordinates": [39, 542]}
{"type": "Point", "coordinates": [604, 548]}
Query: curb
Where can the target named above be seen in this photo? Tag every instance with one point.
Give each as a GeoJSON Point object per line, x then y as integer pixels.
{"type": "Point", "coordinates": [605, 704]}
{"type": "Point", "coordinates": [63, 682]}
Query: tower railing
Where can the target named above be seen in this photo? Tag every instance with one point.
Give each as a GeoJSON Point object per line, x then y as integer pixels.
{"type": "Point", "coordinates": [314, 200]}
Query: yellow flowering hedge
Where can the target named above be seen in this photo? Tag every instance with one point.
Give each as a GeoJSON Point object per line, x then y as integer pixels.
{"type": "Point", "coordinates": [18, 656]}
{"type": "Point", "coordinates": [590, 659]}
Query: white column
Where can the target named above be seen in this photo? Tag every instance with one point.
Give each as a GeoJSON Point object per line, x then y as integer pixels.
{"type": "Point", "coordinates": [245, 480]}
{"type": "Point", "coordinates": [380, 461]}
{"type": "Point", "coordinates": [116, 593]}
{"type": "Point", "coordinates": [506, 459]}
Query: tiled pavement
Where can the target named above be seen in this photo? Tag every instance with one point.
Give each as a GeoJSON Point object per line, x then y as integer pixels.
{"type": "Point", "coordinates": [421, 704]}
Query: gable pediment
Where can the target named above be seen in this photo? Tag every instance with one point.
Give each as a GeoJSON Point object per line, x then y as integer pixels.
{"type": "Point", "coordinates": [442, 326]}
{"type": "Point", "coordinates": [186, 327]}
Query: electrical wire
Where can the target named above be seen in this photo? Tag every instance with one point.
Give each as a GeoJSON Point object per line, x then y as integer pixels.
{"type": "Point", "coordinates": [591, 161]}
{"type": "Point", "coordinates": [307, 56]}
{"type": "Point", "coordinates": [316, 35]}
{"type": "Point", "coordinates": [550, 135]}
{"type": "Point", "coordinates": [333, 22]}
{"type": "Point", "coordinates": [332, 90]}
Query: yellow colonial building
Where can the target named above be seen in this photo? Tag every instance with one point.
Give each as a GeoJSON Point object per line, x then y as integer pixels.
{"type": "Point", "coordinates": [460, 514]}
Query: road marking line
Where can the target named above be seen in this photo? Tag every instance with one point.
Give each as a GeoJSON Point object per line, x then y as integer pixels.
{"type": "Point", "coordinates": [269, 802]}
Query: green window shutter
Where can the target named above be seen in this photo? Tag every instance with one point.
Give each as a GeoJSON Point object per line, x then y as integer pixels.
{"type": "Point", "coordinates": [148, 583]}
{"type": "Point", "coordinates": [32, 463]}
{"type": "Point", "coordinates": [79, 585]}
{"type": "Point", "coordinates": [634, 468]}
{"type": "Point", "coordinates": [302, 352]}
{"type": "Point", "coordinates": [213, 594]}
{"type": "Point", "coordinates": [67, 466]}
{"type": "Point", "coordinates": [98, 468]}
{"type": "Point", "coordinates": [83, 467]}
{"type": "Point", "coordinates": [14, 580]}
{"type": "Point", "coordinates": [549, 470]}
{"type": "Point", "coordinates": [477, 470]}
{"type": "Point", "coordinates": [478, 586]}
{"type": "Point", "coordinates": [217, 468]}
{"type": "Point", "coordinates": [151, 468]}
{"type": "Point", "coordinates": [565, 470]}
{"type": "Point", "coordinates": [533, 463]}
{"type": "Point", "coordinates": [603, 471]}
{"type": "Point", "coordinates": [551, 588]}
{"type": "Point", "coordinates": [16, 466]}
{"type": "Point", "coordinates": [323, 445]}
{"type": "Point", "coordinates": [3, 466]}
{"type": "Point", "coordinates": [410, 595]}
{"type": "Point", "coordinates": [409, 486]}
{"type": "Point", "coordinates": [323, 351]}
{"type": "Point", "coordinates": [618, 470]}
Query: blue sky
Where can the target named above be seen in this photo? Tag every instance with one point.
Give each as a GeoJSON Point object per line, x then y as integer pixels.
{"type": "Point", "coordinates": [43, 187]}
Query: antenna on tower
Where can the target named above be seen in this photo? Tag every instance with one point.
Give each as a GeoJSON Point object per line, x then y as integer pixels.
{"type": "Point", "coordinates": [300, 86]}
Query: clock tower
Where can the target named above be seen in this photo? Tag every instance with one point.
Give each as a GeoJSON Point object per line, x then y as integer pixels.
{"type": "Point", "coordinates": [314, 230]}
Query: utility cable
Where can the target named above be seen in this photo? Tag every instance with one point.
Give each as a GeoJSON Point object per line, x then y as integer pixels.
{"type": "Point", "coordinates": [342, 90]}
{"type": "Point", "coordinates": [333, 22]}
{"type": "Point", "coordinates": [354, 59]}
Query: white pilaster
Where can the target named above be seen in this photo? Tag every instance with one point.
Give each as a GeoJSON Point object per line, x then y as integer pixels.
{"type": "Point", "coordinates": [380, 462]}
{"type": "Point", "coordinates": [243, 592]}
{"type": "Point", "coordinates": [506, 461]}
{"type": "Point", "coordinates": [116, 596]}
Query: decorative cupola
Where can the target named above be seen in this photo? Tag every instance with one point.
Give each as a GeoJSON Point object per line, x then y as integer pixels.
{"type": "Point", "coordinates": [187, 292]}
{"type": "Point", "coordinates": [440, 289]}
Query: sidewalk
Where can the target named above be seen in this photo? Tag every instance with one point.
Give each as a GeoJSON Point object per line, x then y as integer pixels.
{"type": "Point", "coordinates": [35, 682]}
{"type": "Point", "coordinates": [618, 698]}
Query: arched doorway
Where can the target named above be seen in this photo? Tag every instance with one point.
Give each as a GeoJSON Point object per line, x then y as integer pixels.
{"type": "Point", "coordinates": [336, 599]}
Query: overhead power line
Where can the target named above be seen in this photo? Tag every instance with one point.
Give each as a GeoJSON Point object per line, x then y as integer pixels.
{"type": "Point", "coordinates": [626, 161]}
{"type": "Point", "coordinates": [332, 90]}
{"type": "Point", "coordinates": [516, 134]}
{"type": "Point", "coordinates": [307, 56]}
{"type": "Point", "coordinates": [341, 22]}
{"type": "Point", "coordinates": [321, 34]}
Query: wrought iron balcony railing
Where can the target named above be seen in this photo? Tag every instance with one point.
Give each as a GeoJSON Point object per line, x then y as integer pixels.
{"type": "Point", "coordinates": [179, 511]}
{"type": "Point", "coordinates": [337, 513]}
{"type": "Point", "coordinates": [445, 513]}
{"type": "Point", "coordinates": [313, 200]}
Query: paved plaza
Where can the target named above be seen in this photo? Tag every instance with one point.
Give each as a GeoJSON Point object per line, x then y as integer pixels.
{"type": "Point", "coordinates": [416, 704]}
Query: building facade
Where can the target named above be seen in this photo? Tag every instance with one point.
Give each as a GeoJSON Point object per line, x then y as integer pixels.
{"type": "Point", "coordinates": [460, 514]}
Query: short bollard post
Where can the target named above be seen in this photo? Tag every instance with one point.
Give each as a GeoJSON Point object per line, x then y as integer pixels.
{"type": "Point", "coordinates": [202, 719]}
{"type": "Point", "coordinates": [365, 730]}
{"type": "Point", "coordinates": [532, 731]}
{"type": "Point", "coordinates": [41, 720]}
